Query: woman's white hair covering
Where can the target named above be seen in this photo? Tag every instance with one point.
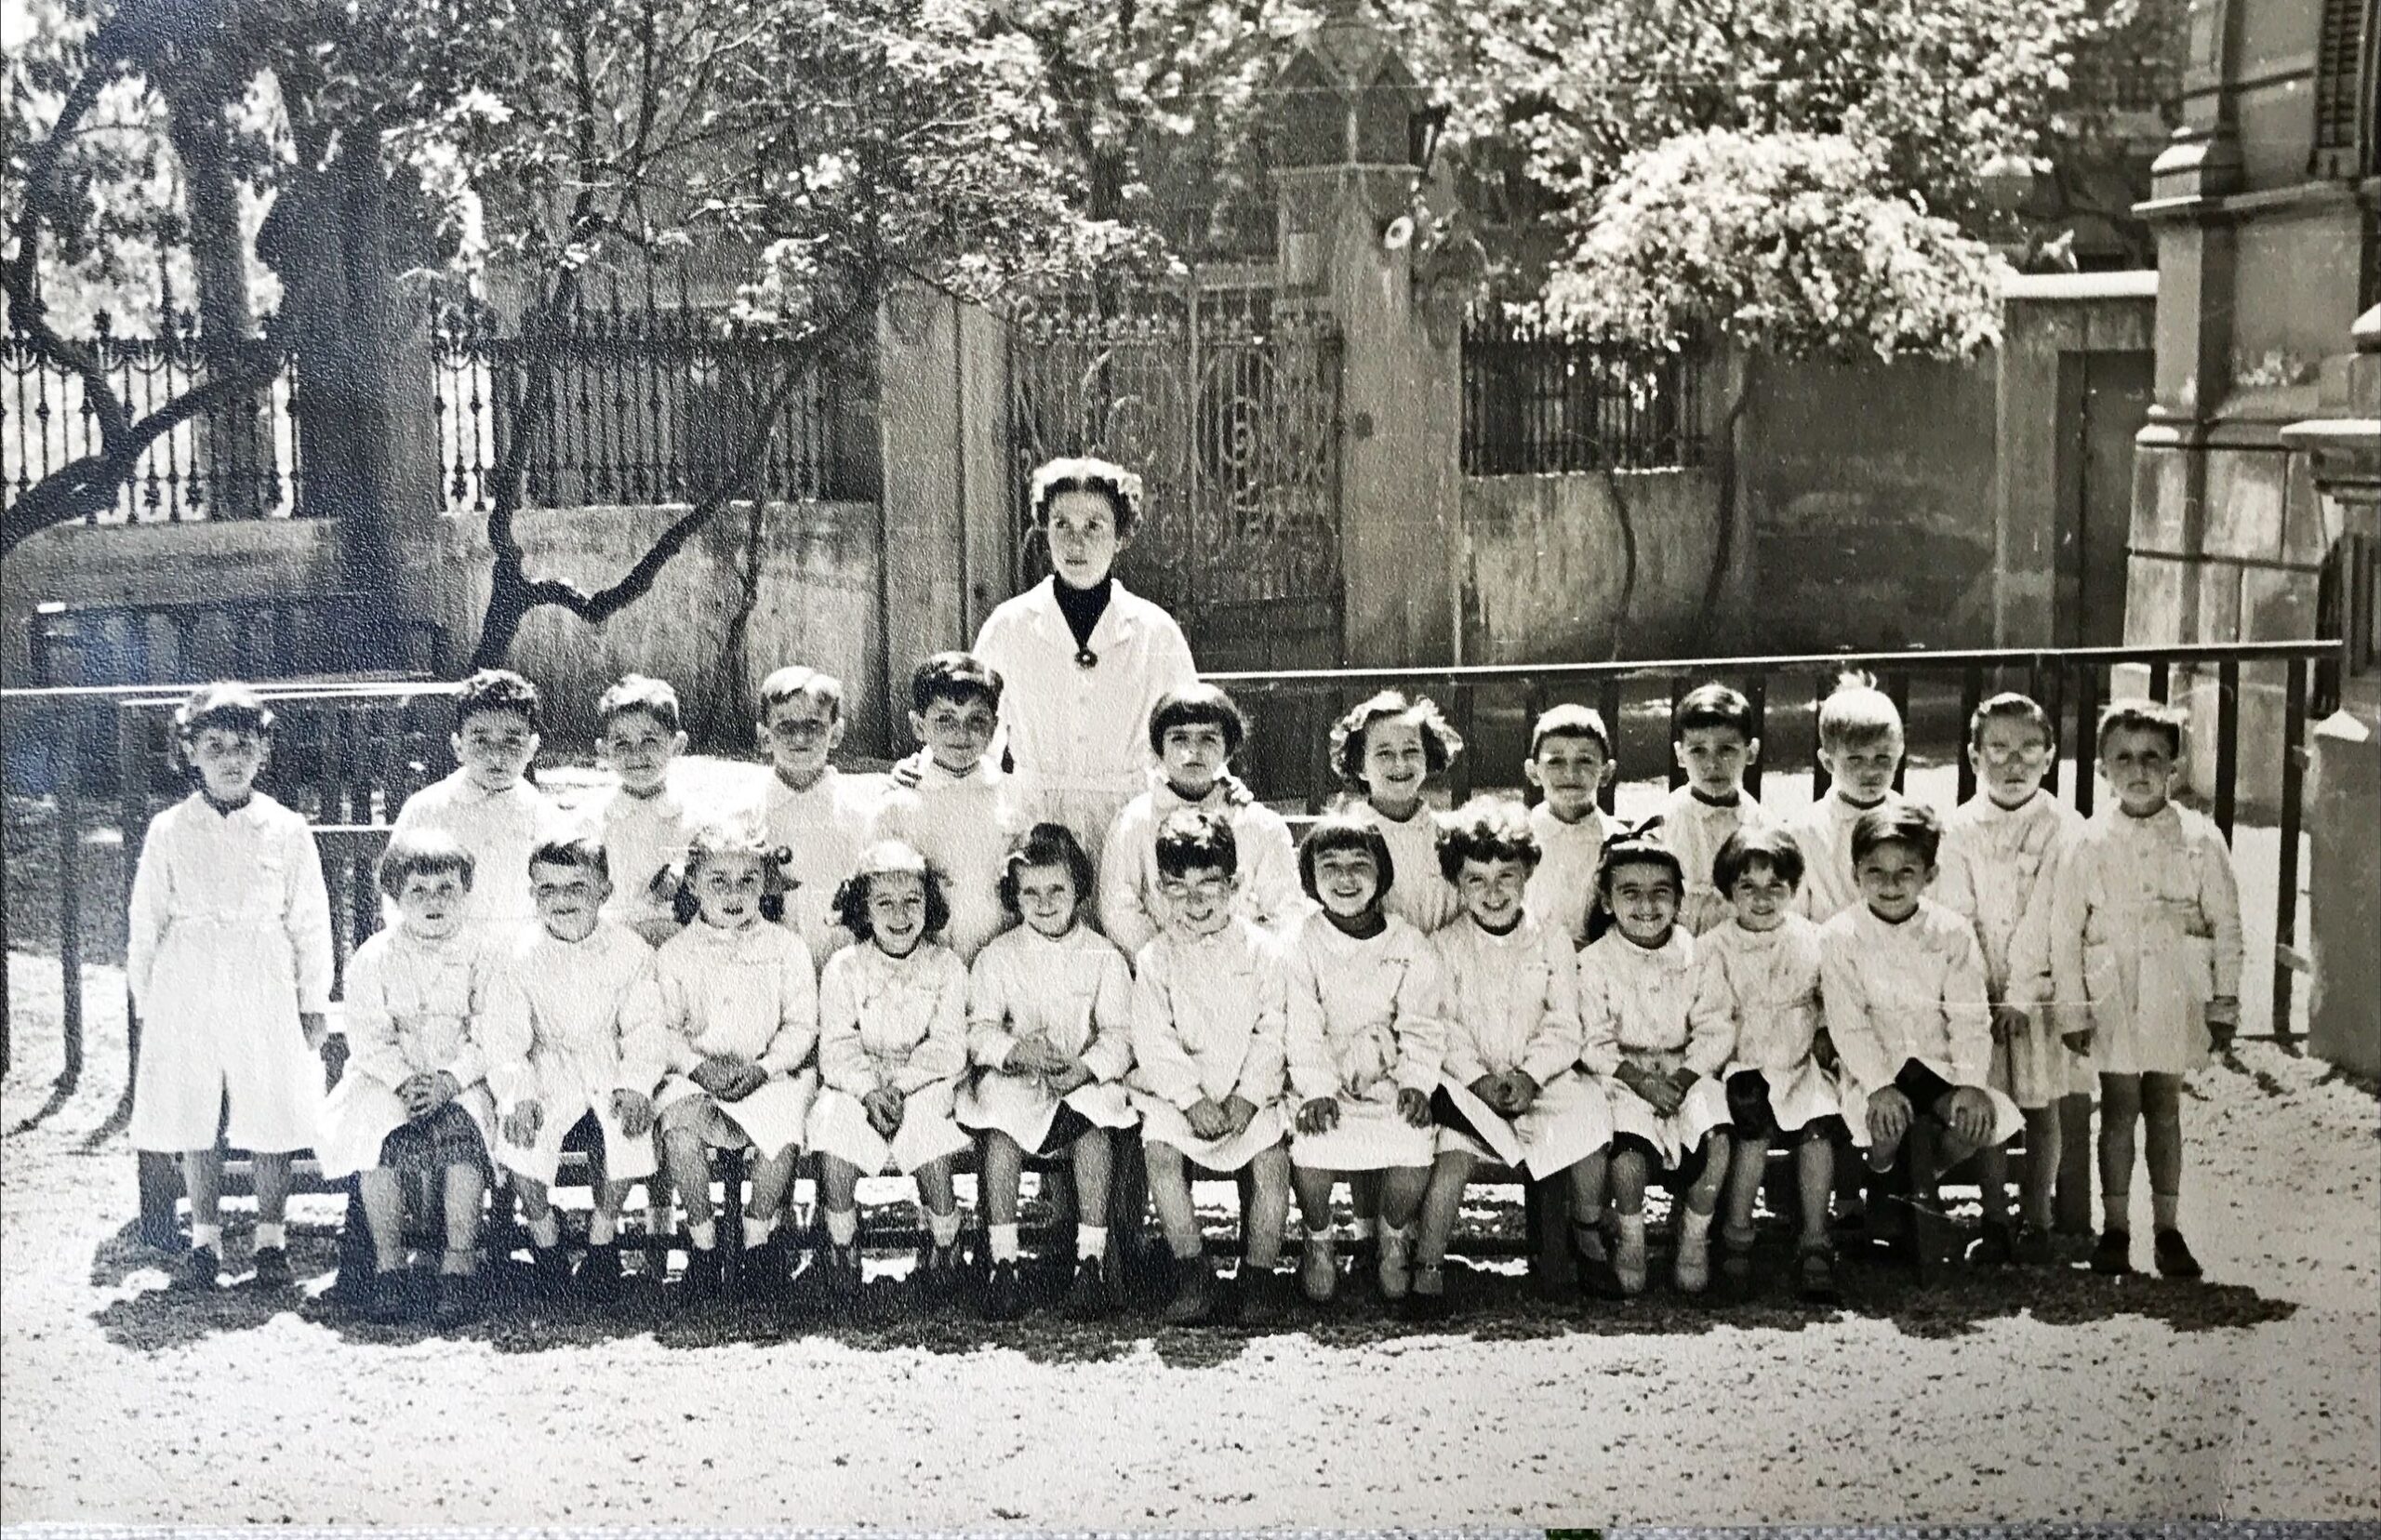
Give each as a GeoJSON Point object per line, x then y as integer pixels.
{"type": "Point", "coordinates": [1085, 473]}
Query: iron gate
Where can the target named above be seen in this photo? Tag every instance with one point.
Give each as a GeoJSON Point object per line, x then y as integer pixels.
{"type": "Point", "coordinates": [1228, 407]}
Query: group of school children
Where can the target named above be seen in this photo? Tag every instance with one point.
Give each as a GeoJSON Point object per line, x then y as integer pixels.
{"type": "Point", "coordinates": [886, 975]}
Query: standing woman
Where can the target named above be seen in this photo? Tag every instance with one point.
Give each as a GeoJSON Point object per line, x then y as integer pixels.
{"type": "Point", "coordinates": [1085, 659]}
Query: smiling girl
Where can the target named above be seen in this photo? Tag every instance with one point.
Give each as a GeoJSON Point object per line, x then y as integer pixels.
{"type": "Point", "coordinates": [892, 1044]}
{"type": "Point", "coordinates": [1086, 658]}
{"type": "Point", "coordinates": [229, 956]}
{"type": "Point", "coordinates": [1049, 1013]}
{"type": "Point", "coordinates": [1388, 748]}
{"type": "Point", "coordinates": [739, 997]}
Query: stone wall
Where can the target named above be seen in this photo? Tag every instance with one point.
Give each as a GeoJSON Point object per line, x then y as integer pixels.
{"type": "Point", "coordinates": [1545, 564]}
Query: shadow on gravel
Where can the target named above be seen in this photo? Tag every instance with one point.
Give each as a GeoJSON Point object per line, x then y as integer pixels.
{"type": "Point", "coordinates": [1950, 1300]}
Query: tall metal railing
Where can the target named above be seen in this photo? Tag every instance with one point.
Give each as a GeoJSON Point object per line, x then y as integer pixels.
{"type": "Point", "coordinates": [1536, 402]}
{"type": "Point", "coordinates": [1491, 706]}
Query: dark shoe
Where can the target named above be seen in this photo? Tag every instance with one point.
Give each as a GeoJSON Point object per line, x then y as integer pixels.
{"type": "Point", "coordinates": [1088, 1297]}
{"type": "Point", "coordinates": [2114, 1257]}
{"type": "Point", "coordinates": [1736, 1265]}
{"type": "Point", "coordinates": [1003, 1294]}
{"type": "Point", "coordinates": [700, 1285]}
{"type": "Point", "coordinates": [1428, 1297]}
{"type": "Point", "coordinates": [1262, 1296]}
{"type": "Point", "coordinates": [2031, 1247]}
{"type": "Point", "coordinates": [273, 1269]}
{"type": "Point", "coordinates": [457, 1301]}
{"type": "Point", "coordinates": [599, 1276]}
{"type": "Point", "coordinates": [2173, 1258]}
{"type": "Point", "coordinates": [381, 1298]}
{"type": "Point", "coordinates": [1592, 1252]}
{"type": "Point", "coordinates": [200, 1271]}
{"type": "Point", "coordinates": [1815, 1274]}
{"type": "Point", "coordinates": [1995, 1246]}
{"type": "Point", "coordinates": [1194, 1292]}
{"type": "Point", "coordinates": [550, 1269]}
{"type": "Point", "coordinates": [839, 1278]}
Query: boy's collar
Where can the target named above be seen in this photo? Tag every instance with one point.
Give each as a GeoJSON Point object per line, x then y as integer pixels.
{"type": "Point", "coordinates": [1588, 819]}
{"type": "Point", "coordinates": [1734, 799]}
{"type": "Point", "coordinates": [777, 778]}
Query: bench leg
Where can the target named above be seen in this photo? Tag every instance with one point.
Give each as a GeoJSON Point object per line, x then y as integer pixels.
{"type": "Point", "coordinates": [161, 1191]}
{"type": "Point", "coordinates": [729, 1229]}
{"type": "Point", "coordinates": [1128, 1196]}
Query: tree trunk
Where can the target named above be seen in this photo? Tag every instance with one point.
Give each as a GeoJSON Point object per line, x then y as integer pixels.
{"type": "Point", "coordinates": [233, 450]}
{"type": "Point", "coordinates": [1727, 460]}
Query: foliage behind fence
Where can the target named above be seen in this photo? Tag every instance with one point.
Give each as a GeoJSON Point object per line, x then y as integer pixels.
{"type": "Point", "coordinates": [1536, 403]}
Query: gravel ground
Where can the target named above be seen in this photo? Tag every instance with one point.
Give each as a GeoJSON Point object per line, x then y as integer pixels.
{"type": "Point", "coordinates": [2045, 1395]}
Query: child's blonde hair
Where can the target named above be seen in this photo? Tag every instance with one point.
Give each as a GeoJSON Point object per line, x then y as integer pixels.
{"type": "Point", "coordinates": [638, 692]}
{"type": "Point", "coordinates": [1857, 712]}
{"type": "Point", "coordinates": [718, 838]}
{"type": "Point", "coordinates": [1440, 742]}
{"type": "Point", "coordinates": [798, 682]}
{"type": "Point", "coordinates": [227, 704]}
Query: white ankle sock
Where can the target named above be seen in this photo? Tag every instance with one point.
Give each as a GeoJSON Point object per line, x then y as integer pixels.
{"type": "Point", "coordinates": [1693, 1229]}
{"type": "Point", "coordinates": [271, 1236]}
{"type": "Point", "coordinates": [209, 1236]}
{"type": "Point", "coordinates": [1002, 1238]}
{"type": "Point", "coordinates": [1091, 1240]}
{"type": "Point", "coordinates": [944, 1228]}
{"type": "Point", "coordinates": [602, 1229]}
{"type": "Point", "coordinates": [703, 1236]}
{"type": "Point", "coordinates": [842, 1225]}
{"type": "Point", "coordinates": [1362, 1227]}
{"type": "Point", "coordinates": [758, 1232]}
{"type": "Point", "coordinates": [545, 1232]}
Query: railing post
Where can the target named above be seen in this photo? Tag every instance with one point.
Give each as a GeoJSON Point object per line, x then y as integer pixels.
{"type": "Point", "coordinates": [2087, 715]}
{"type": "Point", "coordinates": [1971, 697]}
{"type": "Point", "coordinates": [2228, 743]}
{"type": "Point", "coordinates": [1608, 706]}
{"type": "Point", "coordinates": [2293, 780]}
{"type": "Point", "coordinates": [66, 775]}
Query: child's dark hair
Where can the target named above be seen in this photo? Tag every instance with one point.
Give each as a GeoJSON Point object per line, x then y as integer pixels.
{"type": "Point", "coordinates": [1712, 706]}
{"type": "Point", "coordinates": [1640, 846]}
{"type": "Point", "coordinates": [2010, 706]}
{"type": "Point", "coordinates": [1045, 844]}
{"type": "Point", "coordinates": [2142, 716]}
{"type": "Point", "coordinates": [638, 692]}
{"type": "Point", "coordinates": [496, 690]}
{"type": "Point", "coordinates": [1199, 705]}
{"type": "Point", "coordinates": [1912, 824]}
{"type": "Point", "coordinates": [1345, 830]}
{"type": "Point", "coordinates": [883, 859]}
{"type": "Point", "coordinates": [1570, 720]}
{"type": "Point", "coordinates": [234, 707]}
{"type": "Point", "coordinates": [1758, 845]}
{"type": "Point", "coordinates": [955, 676]}
{"type": "Point", "coordinates": [1194, 840]}
{"type": "Point", "coordinates": [797, 681]}
{"type": "Point", "coordinates": [1440, 742]}
{"type": "Point", "coordinates": [716, 837]}
{"type": "Point", "coordinates": [584, 851]}
{"type": "Point", "coordinates": [422, 852]}
{"type": "Point", "coordinates": [1857, 712]}
{"type": "Point", "coordinates": [1083, 473]}
{"type": "Point", "coordinates": [1486, 829]}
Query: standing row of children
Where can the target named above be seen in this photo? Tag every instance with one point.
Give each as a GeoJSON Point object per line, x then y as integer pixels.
{"type": "Point", "coordinates": [1400, 997]}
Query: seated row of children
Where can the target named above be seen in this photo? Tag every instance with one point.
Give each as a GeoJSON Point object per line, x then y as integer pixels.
{"type": "Point", "coordinates": [1403, 997]}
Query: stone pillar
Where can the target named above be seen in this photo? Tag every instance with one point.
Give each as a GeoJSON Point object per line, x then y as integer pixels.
{"type": "Point", "coordinates": [942, 417]}
{"type": "Point", "coordinates": [2344, 784]}
{"type": "Point", "coordinates": [1346, 176]}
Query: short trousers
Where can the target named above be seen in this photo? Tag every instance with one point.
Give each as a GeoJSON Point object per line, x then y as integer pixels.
{"type": "Point", "coordinates": [1690, 1168]}
{"type": "Point", "coordinates": [1750, 1116]}
{"type": "Point", "coordinates": [1925, 1089]}
{"type": "Point", "coordinates": [1067, 1125]}
{"type": "Point", "coordinates": [426, 1146]}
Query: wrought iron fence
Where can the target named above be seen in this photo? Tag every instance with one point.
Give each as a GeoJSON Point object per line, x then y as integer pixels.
{"type": "Point", "coordinates": [1536, 402]}
{"type": "Point", "coordinates": [1492, 709]}
{"type": "Point", "coordinates": [650, 405]}
{"type": "Point", "coordinates": [239, 459]}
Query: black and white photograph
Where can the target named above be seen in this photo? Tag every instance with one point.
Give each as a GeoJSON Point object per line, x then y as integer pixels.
{"type": "Point", "coordinates": [1148, 765]}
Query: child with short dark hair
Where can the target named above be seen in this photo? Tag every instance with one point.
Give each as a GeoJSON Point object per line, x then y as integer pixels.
{"type": "Point", "coordinates": [2003, 849]}
{"type": "Point", "coordinates": [1570, 761]}
{"type": "Point", "coordinates": [644, 823]}
{"type": "Point", "coordinates": [574, 1043]}
{"type": "Point", "coordinates": [1759, 982]}
{"type": "Point", "coordinates": [1049, 1025]}
{"type": "Point", "coordinates": [2147, 956]}
{"type": "Point", "coordinates": [1209, 1013]}
{"type": "Point", "coordinates": [892, 1046]}
{"type": "Point", "coordinates": [1713, 740]}
{"type": "Point", "coordinates": [1366, 1024]}
{"type": "Point", "coordinates": [1388, 748]}
{"type": "Point", "coordinates": [486, 804]}
{"type": "Point", "coordinates": [820, 817]}
{"type": "Point", "coordinates": [963, 811]}
{"type": "Point", "coordinates": [413, 1099]}
{"type": "Point", "coordinates": [1194, 732]}
{"type": "Point", "coordinates": [228, 953]}
{"type": "Point", "coordinates": [1860, 746]}
{"type": "Point", "coordinates": [740, 1000]}
{"type": "Point", "coordinates": [1508, 1088]}
{"type": "Point", "coordinates": [1910, 1017]}
{"type": "Point", "coordinates": [1658, 1061]}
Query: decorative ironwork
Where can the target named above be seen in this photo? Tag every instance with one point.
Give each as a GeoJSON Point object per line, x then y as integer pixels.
{"type": "Point", "coordinates": [1539, 403]}
{"type": "Point", "coordinates": [239, 459]}
{"type": "Point", "coordinates": [650, 405]}
{"type": "Point", "coordinates": [1227, 404]}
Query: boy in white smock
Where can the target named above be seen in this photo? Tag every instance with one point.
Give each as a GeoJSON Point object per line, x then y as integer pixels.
{"type": "Point", "coordinates": [1860, 746]}
{"type": "Point", "coordinates": [1714, 740]}
{"type": "Point", "coordinates": [964, 810]}
{"type": "Point", "coordinates": [644, 822]}
{"type": "Point", "coordinates": [486, 805]}
{"type": "Point", "coordinates": [820, 817]}
{"type": "Point", "coordinates": [1570, 762]}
